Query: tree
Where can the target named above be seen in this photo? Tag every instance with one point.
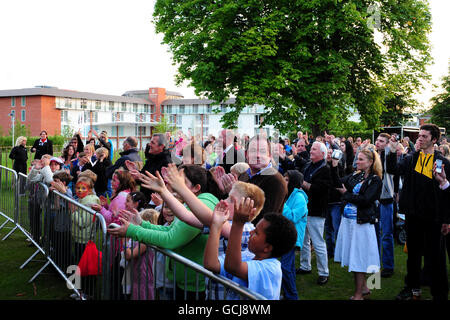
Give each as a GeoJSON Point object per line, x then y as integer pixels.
{"type": "Point", "coordinates": [309, 62]}
{"type": "Point", "coordinates": [164, 126]}
{"type": "Point", "coordinates": [440, 111]}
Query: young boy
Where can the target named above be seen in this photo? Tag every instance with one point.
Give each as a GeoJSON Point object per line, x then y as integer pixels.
{"type": "Point", "coordinates": [273, 236]}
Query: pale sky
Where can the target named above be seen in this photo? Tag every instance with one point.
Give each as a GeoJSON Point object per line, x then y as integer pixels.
{"type": "Point", "coordinates": [110, 46]}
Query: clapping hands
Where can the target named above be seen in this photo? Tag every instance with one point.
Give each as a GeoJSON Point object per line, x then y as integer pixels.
{"type": "Point", "coordinates": [224, 181]}
{"type": "Point", "coordinates": [244, 211]}
{"type": "Point", "coordinates": [220, 215]}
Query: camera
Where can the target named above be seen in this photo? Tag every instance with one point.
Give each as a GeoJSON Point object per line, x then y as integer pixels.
{"type": "Point", "coordinates": [337, 154]}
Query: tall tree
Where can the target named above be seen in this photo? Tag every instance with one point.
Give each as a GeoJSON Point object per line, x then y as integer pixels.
{"type": "Point", "coordinates": [308, 61]}
{"type": "Point", "coordinates": [440, 111]}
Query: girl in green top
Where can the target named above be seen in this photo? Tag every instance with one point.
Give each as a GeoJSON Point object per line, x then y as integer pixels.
{"type": "Point", "coordinates": [180, 237]}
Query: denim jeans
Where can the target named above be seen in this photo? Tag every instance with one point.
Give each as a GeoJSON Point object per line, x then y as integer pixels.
{"type": "Point", "coordinates": [288, 284]}
{"type": "Point", "coordinates": [314, 232]}
{"type": "Point", "coordinates": [332, 223]}
{"type": "Point", "coordinates": [387, 235]}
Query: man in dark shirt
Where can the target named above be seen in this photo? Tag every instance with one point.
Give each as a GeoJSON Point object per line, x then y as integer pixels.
{"type": "Point", "coordinates": [426, 210]}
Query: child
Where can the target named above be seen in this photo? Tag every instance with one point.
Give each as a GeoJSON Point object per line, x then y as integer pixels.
{"type": "Point", "coordinates": [91, 175]}
{"type": "Point", "coordinates": [61, 237]}
{"type": "Point", "coordinates": [296, 210]}
{"type": "Point", "coordinates": [201, 216]}
{"type": "Point", "coordinates": [140, 262]}
{"type": "Point", "coordinates": [239, 168]}
{"type": "Point", "coordinates": [83, 223]}
{"type": "Point", "coordinates": [136, 200]}
{"type": "Point", "coordinates": [179, 237]}
{"type": "Point", "coordinates": [99, 167]}
{"type": "Point", "coordinates": [164, 287]}
{"type": "Point", "coordinates": [273, 236]}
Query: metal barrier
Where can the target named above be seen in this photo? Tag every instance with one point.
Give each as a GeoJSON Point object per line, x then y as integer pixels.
{"type": "Point", "coordinates": [8, 198]}
{"type": "Point", "coordinates": [60, 227]}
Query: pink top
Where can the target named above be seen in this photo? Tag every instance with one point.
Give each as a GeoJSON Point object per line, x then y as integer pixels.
{"type": "Point", "coordinates": [111, 212]}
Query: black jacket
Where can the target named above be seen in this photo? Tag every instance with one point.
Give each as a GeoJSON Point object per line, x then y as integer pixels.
{"type": "Point", "coordinates": [154, 163]}
{"type": "Point", "coordinates": [41, 149]}
{"type": "Point", "coordinates": [365, 200]}
{"type": "Point", "coordinates": [131, 155]}
{"type": "Point", "coordinates": [99, 168]}
{"type": "Point", "coordinates": [232, 157]}
{"type": "Point", "coordinates": [20, 156]}
{"type": "Point", "coordinates": [415, 193]}
{"type": "Point", "coordinates": [318, 192]}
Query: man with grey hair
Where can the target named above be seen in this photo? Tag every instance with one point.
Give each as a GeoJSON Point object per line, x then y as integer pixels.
{"type": "Point", "coordinates": [129, 153]}
{"type": "Point", "coordinates": [157, 157]}
{"type": "Point", "coordinates": [317, 181]}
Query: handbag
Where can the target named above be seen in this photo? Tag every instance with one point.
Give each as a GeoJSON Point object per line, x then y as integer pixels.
{"type": "Point", "coordinates": [90, 263]}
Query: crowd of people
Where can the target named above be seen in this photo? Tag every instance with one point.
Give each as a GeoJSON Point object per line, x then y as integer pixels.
{"type": "Point", "coordinates": [242, 207]}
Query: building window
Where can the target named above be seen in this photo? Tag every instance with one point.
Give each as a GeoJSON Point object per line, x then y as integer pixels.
{"type": "Point", "coordinates": [23, 101]}
{"type": "Point", "coordinates": [64, 115]}
{"type": "Point", "coordinates": [135, 107]}
{"type": "Point", "coordinates": [83, 104]}
{"type": "Point", "coordinates": [195, 108]}
{"type": "Point", "coordinates": [68, 103]}
{"type": "Point", "coordinates": [258, 119]}
{"type": "Point", "coordinates": [98, 104]}
{"type": "Point", "coordinates": [22, 115]}
{"type": "Point", "coordinates": [140, 131]}
{"type": "Point", "coordinates": [13, 101]}
{"type": "Point", "coordinates": [124, 107]}
{"type": "Point", "coordinates": [146, 108]}
{"type": "Point", "coordinates": [111, 106]}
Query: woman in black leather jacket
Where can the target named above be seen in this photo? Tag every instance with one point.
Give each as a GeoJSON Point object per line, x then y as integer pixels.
{"type": "Point", "coordinates": [356, 244]}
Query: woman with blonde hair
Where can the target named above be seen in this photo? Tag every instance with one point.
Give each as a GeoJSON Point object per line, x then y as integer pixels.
{"type": "Point", "coordinates": [445, 150]}
{"type": "Point", "coordinates": [20, 155]}
{"type": "Point", "coordinates": [356, 244]}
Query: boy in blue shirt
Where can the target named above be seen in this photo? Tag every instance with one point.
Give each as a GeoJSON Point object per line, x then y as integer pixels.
{"type": "Point", "coordinates": [273, 236]}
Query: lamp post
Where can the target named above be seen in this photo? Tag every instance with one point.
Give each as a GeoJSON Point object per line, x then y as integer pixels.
{"type": "Point", "coordinates": [13, 119]}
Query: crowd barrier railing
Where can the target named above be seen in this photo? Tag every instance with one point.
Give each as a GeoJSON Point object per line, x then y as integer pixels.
{"type": "Point", "coordinates": [8, 199]}
{"type": "Point", "coordinates": [60, 228]}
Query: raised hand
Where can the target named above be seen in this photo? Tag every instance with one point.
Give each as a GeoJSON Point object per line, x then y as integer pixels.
{"type": "Point", "coordinates": [156, 184]}
{"type": "Point", "coordinates": [59, 186]}
{"type": "Point", "coordinates": [174, 178]}
{"type": "Point", "coordinates": [156, 198]}
{"type": "Point", "coordinates": [132, 216]}
{"type": "Point", "coordinates": [136, 174]}
{"type": "Point", "coordinates": [103, 201]}
{"type": "Point", "coordinates": [440, 177]}
{"type": "Point", "coordinates": [244, 211]}
{"type": "Point", "coordinates": [130, 165]}
{"type": "Point", "coordinates": [228, 181]}
{"type": "Point", "coordinates": [217, 175]}
{"type": "Point", "coordinates": [221, 214]}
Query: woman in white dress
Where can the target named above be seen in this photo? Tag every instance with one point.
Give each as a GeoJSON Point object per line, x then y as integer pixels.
{"type": "Point", "coordinates": [356, 244]}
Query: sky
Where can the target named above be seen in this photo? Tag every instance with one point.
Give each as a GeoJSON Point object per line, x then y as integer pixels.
{"type": "Point", "coordinates": [110, 46]}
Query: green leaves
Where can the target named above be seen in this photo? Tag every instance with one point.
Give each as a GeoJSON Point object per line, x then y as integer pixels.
{"type": "Point", "coordinates": [309, 62]}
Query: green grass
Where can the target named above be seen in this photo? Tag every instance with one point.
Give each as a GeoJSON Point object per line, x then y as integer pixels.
{"type": "Point", "coordinates": [14, 283]}
{"type": "Point", "coordinates": [340, 285]}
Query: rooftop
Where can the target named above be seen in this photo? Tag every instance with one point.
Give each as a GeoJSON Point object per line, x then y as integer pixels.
{"type": "Point", "coordinates": [55, 92]}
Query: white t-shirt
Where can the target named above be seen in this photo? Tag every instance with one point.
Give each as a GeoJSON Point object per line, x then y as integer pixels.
{"type": "Point", "coordinates": [264, 277]}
